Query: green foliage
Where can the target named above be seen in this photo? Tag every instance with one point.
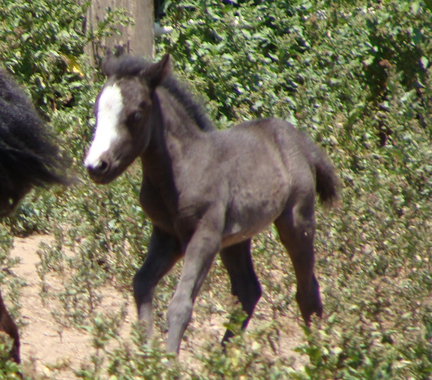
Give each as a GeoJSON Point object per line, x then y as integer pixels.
{"type": "Point", "coordinates": [246, 358]}
{"type": "Point", "coordinates": [356, 76]}
{"type": "Point", "coordinates": [368, 349]}
{"type": "Point", "coordinates": [42, 43]}
{"type": "Point", "coordinates": [10, 285]}
{"type": "Point", "coordinates": [100, 242]}
{"type": "Point", "coordinates": [142, 361]}
{"type": "Point", "coordinates": [8, 369]}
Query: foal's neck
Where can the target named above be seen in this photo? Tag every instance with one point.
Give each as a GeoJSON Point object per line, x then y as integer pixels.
{"type": "Point", "coordinates": [176, 123]}
{"type": "Point", "coordinates": [174, 132]}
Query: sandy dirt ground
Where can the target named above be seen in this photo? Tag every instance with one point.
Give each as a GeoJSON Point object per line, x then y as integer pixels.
{"type": "Point", "coordinates": [45, 343]}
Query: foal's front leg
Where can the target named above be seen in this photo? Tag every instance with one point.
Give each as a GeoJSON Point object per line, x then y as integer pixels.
{"type": "Point", "coordinates": [202, 248]}
{"type": "Point", "coordinates": [164, 251]}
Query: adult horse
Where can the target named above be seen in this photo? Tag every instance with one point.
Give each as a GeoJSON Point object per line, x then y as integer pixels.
{"type": "Point", "coordinates": [207, 191]}
{"type": "Point", "coordinates": [28, 158]}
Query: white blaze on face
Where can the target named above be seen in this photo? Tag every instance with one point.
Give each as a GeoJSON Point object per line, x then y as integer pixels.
{"type": "Point", "coordinates": [107, 124]}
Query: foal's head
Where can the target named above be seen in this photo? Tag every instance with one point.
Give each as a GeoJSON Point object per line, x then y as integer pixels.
{"type": "Point", "coordinates": [123, 113]}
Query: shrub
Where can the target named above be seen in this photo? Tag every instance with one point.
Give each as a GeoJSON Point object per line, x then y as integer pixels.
{"type": "Point", "coordinates": [356, 77]}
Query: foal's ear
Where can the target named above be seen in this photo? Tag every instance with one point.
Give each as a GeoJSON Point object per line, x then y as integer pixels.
{"type": "Point", "coordinates": [109, 63]}
{"type": "Point", "coordinates": [155, 73]}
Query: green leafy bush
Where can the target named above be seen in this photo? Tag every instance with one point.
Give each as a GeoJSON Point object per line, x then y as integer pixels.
{"type": "Point", "coordinates": [8, 369]}
{"type": "Point", "coordinates": [356, 76]}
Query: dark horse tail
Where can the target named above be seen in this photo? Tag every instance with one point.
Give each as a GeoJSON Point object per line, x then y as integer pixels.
{"type": "Point", "coordinates": [327, 183]}
{"type": "Point", "coordinates": [28, 155]}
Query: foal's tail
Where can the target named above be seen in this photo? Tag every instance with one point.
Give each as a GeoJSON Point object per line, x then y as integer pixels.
{"type": "Point", "coordinates": [327, 182]}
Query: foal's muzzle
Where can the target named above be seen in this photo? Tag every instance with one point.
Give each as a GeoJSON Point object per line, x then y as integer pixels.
{"type": "Point", "coordinates": [99, 171]}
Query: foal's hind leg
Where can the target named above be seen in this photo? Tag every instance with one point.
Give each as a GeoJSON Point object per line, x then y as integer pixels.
{"type": "Point", "coordinates": [296, 228]}
{"type": "Point", "coordinates": [244, 282]}
{"type": "Point", "coordinates": [164, 251]}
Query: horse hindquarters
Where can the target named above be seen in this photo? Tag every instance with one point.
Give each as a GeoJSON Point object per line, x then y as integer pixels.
{"type": "Point", "coordinates": [9, 327]}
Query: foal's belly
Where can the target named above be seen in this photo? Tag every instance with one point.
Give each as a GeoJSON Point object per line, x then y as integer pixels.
{"type": "Point", "coordinates": [234, 238]}
{"type": "Point", "coordinates": [243, 224]}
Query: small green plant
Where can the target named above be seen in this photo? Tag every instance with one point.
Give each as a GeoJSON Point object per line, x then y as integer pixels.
{"type": "Point", "coordinates": [8, 368]}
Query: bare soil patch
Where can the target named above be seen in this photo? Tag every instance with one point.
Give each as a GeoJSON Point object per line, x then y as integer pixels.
{"type": "Point", "coordinates": [46, 345]}
{"type": "Point", "coordinates": [44, 342]}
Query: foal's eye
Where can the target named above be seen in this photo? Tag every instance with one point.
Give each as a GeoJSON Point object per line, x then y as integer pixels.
{"type": "Point", "coordinates": [137, 116]}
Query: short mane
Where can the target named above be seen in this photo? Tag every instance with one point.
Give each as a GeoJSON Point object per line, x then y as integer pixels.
{"type": "Point", "coordinates": [126, 65]}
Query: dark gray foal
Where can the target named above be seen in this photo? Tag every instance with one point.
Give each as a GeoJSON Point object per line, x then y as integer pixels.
{"type": "Point", "coordinates": [207, 191]}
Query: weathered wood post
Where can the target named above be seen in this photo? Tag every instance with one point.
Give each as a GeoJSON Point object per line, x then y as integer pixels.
{"type": "Point", "coordinates": [137, 39]}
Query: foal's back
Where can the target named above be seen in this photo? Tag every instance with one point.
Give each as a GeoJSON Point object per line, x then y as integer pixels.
{"type": "Point", "coordinates": [279, 140]}
{"type": "Point", "coordinates": [269, 150]}
{"type": "Point", "coordinates": [292, 146]}
{"type": "Point", "coordinates": [264, 167]}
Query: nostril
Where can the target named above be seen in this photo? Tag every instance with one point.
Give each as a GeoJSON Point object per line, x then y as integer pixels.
{"type": "Point", "coordinates": [102, 167]}
{"type": "Point", "coordinates": [98, 168]}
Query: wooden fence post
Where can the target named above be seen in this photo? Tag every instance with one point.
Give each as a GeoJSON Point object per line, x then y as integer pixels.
{"type": "Point", "coordinates": [137, 39]}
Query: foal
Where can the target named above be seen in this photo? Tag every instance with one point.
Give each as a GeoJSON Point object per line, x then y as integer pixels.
{"type": "Point", "coordinates": [207, 191]}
